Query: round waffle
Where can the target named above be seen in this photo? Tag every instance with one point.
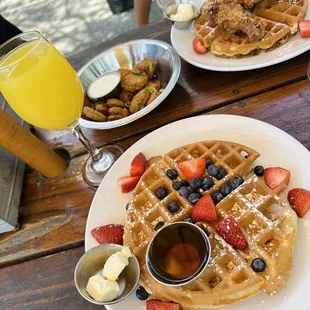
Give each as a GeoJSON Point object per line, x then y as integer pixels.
{"type": "Point", "coordinates": [268, 224]}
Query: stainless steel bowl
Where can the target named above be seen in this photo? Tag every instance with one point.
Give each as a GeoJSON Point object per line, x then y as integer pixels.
{"type": "Point", "coordinates": [92, 262]}
{"type": "Point", "coordinates": [128, 54]}
{"type": "Point", "coordinates": [172, 7]}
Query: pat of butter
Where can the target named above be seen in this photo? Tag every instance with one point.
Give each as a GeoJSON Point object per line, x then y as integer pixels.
{"type": "Point", "coordinates": [101, 289]}
{"type": "Point", "coordinates": [116, 263]}
{"type": "Point", "coordinates": [185, 12]}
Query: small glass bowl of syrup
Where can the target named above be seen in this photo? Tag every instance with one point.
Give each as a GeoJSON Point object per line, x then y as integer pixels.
{"type": "Point", "coordinates": [178, 254]}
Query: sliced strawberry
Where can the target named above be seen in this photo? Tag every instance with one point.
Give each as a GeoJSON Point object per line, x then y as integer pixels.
{"type": "Point", "coordinates": [299, 200]}
{"type": "Point", "coordinates": [198, 47]}
{"type": "Point", "coordinates": [153, 304]}
{"type": "Point", "coordinates": [193, 168]}
{"type": "Point", "coordinates": [230, 231]}
{"type": "Point", "coordinates": [304, 28]}
{"type": "Point", "coordinates": [275, 176]}
{"type": "Point", "coordinates": [128, 183]}
{"type": "Point", "coordinates": [112, 233]}
{"type": "Point", "coordinates": [204, 210]}
{"type": "Point", "coordinates": [138, 165]}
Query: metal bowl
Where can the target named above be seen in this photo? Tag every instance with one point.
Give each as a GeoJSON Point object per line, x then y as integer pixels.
{"type": "Point", "coordinates": [167, 70]}
{"type": "Point", "coordinates": [92, 263]}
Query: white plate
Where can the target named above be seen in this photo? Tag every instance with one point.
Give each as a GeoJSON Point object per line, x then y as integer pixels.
{"type": "Point", "coordinates": [276, 148]}
{"type": "Point", "coordinates": [182, 42]}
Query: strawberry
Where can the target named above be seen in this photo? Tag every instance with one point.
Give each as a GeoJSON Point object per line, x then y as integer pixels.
{"type": "Point", "coordinates": [128, 183]}
{"type": "Point", "coordinates": [193, 168]}
{"type": "Point", "coordinates": [152, 304]}
{"type": "Point", "coordinates": [138, 165]}
{"type": "Point", "coordinates": [112, 233]}
{"type": "Point", "coordinates": [204, 210]}
{"type": "Point", "coordinates": [275, 176]}
{"type": "Point", "coordinates": [299, 199]}
{"type": "Point", "coordinates": [304, 28]}
{"type": "Point", "coordinates": [198, 47]}
{"type": "Point", "coordinates": [230, 231]}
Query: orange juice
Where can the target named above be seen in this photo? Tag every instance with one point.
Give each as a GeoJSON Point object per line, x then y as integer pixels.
{"type": "Point", "coordinates": [41, 86]}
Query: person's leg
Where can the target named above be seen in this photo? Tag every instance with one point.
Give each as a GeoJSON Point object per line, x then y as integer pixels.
{"type": "Point", "coordinates": [142, 11]}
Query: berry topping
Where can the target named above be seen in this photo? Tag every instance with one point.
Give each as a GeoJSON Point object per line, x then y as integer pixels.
{"type": "Point", "coordinates": [189, 220]}
{"type": "Point", "coordinates": [138, 165]}
{"type": "Point", "coordinates": [258, 265]}
{"type": "Point", "coordinates": [230, 231]}
{"type": "Point", "coordinates": [159, 225]}
{"type": "Point", "coordinates": [141, 293]}
{"type": "Point", "coordinates": [128, 183]}
{"type": "Point", "coordinates": [209, 162]}
{"type": "Point", "coordinates": [217, 197]}
{"type": "Point", "coordinates": [204, 210]}
{"type": "Point", "coordinates": [198, 47]}
{"type": "Point", "coordinates": [184, 192]}
{"type": "Point", "coordinates": [222, 173]}
{"type": "Point", "coordinates": [173, 206]}
{"type": "Point", "coordinates": [207, 184]}
{"type": "Point", "coordinates": [193, 168]}
{"type": "Point", "coordinates": [109, 234]}
{"type": "Point", "coordinates": [177, 185]}
{"type": "Point", "coordinates": [195, 183]}
{"type": "Point", "coordinates": [190, 190]}
{"type": "Point", "coordinates": [153, 304]}
{"type": "Point", "coordinates": [259, 171]}
{"type": "Point", "coordinates": [194, 197]}
{"type": "Point", "coordinates": [226, 189]}
{"type": "Point", "coordinates": [171, 174]}
{"type": "Point", "coordinates": [161, 193]}
{"type": "Point", "coordinates": [213, 170]}
{"type": "Point", "coordinates": [275, 176]}
{"type": "Point", "coordinates": [299, 200]}
{"type": "Point", "coordinates": [236, 182]}
{"type": "Point", "coordinates": [185, 182]}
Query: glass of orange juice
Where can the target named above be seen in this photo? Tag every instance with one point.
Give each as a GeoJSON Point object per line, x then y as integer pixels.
{"type": "Point", "coordinates": [43, 89]}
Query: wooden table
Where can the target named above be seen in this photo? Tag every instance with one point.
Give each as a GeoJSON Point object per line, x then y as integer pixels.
{"type": "Point", "coordinates": [38, 260]}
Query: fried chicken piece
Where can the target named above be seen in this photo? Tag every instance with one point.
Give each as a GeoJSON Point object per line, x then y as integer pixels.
{"type": "Point", "coordinates": [124, 72]}
{"type": "Point", "coordinates": [126, 95]}
{"type": "Point", "coordinates": [139, 101]}
{"type": "Point", "coordinates": [134, 82]}
{"type": "Point", "coordinates": [152, 97]}
{"type": "Point", "coordinates": [147, 65]}
{"type": "Point", "coordinates": [209, 12]}
{"type": "Point", "coordinates": [154, 84]}
{"type": "Point", "coordinates": [249, 4]}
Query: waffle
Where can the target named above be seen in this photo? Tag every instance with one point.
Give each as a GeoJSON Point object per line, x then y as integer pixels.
{"type": "Point", "coordinates": [268, 224]}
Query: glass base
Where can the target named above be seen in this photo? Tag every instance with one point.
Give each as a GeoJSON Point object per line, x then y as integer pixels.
{"type": "Point", "coordinates": [95, 171]}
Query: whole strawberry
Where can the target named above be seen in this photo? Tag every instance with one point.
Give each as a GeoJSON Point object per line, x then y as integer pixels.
{"type": "Point", "coordinates": [111, 233]}
{"type": "Point", "coordinates": [299, 200]}
{"type": "Point", "coordinates": [204, 210]}
{"type": "Point", "coordinates": [230, 231]}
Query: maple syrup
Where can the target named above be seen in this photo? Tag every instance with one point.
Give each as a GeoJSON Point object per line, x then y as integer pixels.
{"type": "Point", "coordinates": [178, 253]}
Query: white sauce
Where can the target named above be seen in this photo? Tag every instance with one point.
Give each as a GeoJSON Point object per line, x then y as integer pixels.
{"type": "Point", "coordinates": [103, 85]}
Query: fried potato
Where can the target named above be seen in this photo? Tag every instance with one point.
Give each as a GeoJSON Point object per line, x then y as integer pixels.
{"type": "Point", "coordinates": [152, 97]}
{"type": "Point", "coordinates": [133, 82]}
{"type": "Point", "coordinates": [126, 95]}
{"type": "Point", "coordinates": [102, 108]}
{"type": "Point", "coordinates": [94, 115]}
{"type": "Point", "coordinates": [147, 65]}
{"type": "Point", "coordinates": [115, 103]}
{"type": "Point", "coordinates": [118, 111]}
{"type": "Point", "coordinates": [154, 84]}
{"type": "Point", "coordinates": [115, 117]}
{"type": "Point", "coordinates": [139, 101]}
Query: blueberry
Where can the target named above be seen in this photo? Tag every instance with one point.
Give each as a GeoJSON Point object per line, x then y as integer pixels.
{"type": "Point", "coordinates": [194, 197]}
{"type": "Point", "coordinates": [184, 192]}
{"type": "Point", "coordinates": [159, 225]}
{"type": "Point", "coordinates": [195, 183]}
{"type": "Point", "coordinates": [141, 293]}
{"type": "Point", "coordinates": [222, 173]}
{"type": "Point", "coordinates": [173, 206]}
{"type": "Point", "coordinates": [171, 174]}
{"type": "Point", "coordinates": [207, 184]}
{"type": "Point", "coordinates": [190, 190]}
{"type": "Point", "coordinates": [213, 170]}
{"type": "Point", "coordinates": [217, 197]}
{"type": "Point", "coordinates": [177, 185]}
{"type": "Point", "coordinates": [209, 162]}
{"type": "Point", "coordinates": [236, 182]}
{"type": "Point", "coordinates": [161, 193]}
{"type": "Point", "coordinates": [226, 189]}
{"type": "Point", "coordinates": [189, 220]}
{"type": "Point", "coordinates": [184, 182]}
{"type": "Point", "coordinates": [259, 171]}
{"type": "Point", "coordinates": [258, 265]}
{"type": "Point", "coordinates": [127, 206]}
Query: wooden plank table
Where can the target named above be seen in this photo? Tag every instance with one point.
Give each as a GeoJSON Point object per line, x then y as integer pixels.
{"type": "Point", "coordinates": [38, 260]}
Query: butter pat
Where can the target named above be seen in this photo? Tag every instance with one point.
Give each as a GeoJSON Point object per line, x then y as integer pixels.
{"type": "Point", "coordinates": [185, 12]}
{"type": "Point", "coordinates": [116, 263]}
{"type": "Point", "coordinates": [101, 289]}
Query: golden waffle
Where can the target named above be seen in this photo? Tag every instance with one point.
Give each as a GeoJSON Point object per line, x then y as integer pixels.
{"type": "Point", "coordinates": [268, 224]}
{"type": "Point", "coordinates": [289, 12]}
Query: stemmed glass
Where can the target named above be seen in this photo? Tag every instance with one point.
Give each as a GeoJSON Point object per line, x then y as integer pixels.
{"type": "Point", "coordinates": [43, 89]}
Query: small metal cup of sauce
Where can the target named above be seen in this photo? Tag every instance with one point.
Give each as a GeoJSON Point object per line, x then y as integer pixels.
{"type": "Point", "coordinates": [178, 254]}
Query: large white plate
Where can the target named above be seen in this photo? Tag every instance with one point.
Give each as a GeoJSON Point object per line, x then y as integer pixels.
{"type": "Point", "coordinates": [182, 42]}
{"type": "Point", "coordinates": [276, 148]}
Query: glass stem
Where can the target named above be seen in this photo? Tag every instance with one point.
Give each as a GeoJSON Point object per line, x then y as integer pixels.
{"type": "Point", "coordinates": [93, 151]}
